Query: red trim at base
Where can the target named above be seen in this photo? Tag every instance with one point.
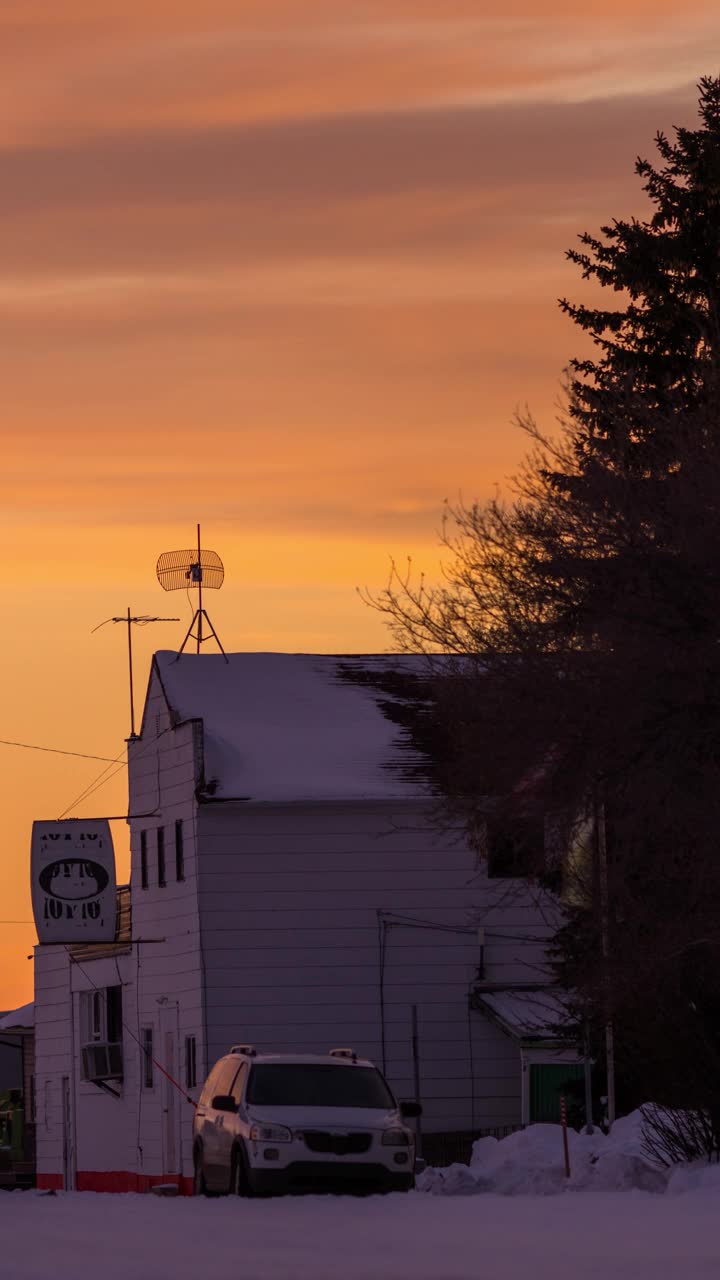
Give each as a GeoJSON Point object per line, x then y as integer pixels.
{"type": "Point", "coordinates": [115, 1181]}
{"type": "Point", "coordinates": [49, 1182]}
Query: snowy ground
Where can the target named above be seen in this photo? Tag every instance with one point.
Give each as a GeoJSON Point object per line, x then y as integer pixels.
{"type": "Point", "coordinates": [630, 1235]}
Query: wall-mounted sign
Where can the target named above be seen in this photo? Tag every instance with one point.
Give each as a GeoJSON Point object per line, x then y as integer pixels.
{"type": "Point", "coordinates": [73, 881]}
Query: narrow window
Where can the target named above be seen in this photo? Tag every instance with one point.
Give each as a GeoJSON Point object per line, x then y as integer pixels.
{"type": "Point", "coordinates": [147, 1050]}
{"type": "Point", "coordinates": [190, 1062]}
{"type": "Point", "coordinates": [143, 860]}
{"type": "Point", "coordinates": [114, 1014]}
{"type": "Point", "coordinates": [179, 851]}
{"type": "Point", "coordinates": [161, 857]}
{"type": "Point", "coordinates": [97, 1020]}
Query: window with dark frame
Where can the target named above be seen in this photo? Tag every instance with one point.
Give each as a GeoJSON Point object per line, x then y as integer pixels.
{"type": "Point", "coordinates": [515, 851]}
{"type": "Point", "coordinates": [143, 860]}
{"type": "Point", "coordinates": [101, 1032]}
{"type": "Point", "coordinates": [113, 997]}
{"type": "Point", "coordinates": [97, 1029]}
{"type": "Point", "coordinates": [161, 857]}
{"type": "Point", "coordinates": [147, 1049]}
{"type": "Point", "coordinates": [179, 851]}
{"type": "Point", "coordinates": [190, 1062]}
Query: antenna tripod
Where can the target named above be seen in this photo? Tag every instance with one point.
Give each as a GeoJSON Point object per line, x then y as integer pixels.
{"type": "Point", "coordinates": [198, 616]}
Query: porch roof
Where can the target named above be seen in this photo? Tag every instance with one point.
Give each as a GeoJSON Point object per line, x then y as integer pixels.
{"type": "Point", "coordinates": [526, 1014]}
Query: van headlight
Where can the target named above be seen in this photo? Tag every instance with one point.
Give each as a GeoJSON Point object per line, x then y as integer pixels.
{"type": "Point", "coordinates": [397, 1137]}
{"type": "Point", "coordinates": [270, 1133]}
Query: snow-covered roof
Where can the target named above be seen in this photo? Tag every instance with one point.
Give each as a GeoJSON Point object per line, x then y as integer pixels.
{"type": "Point", "coordinates": [16, 1018]}
{"type": "Point", "coordinates": [526, 1015]}
{"type": "Point", "coordinates": [292, 726]}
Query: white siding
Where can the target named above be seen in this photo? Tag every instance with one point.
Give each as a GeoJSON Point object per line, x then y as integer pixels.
{"type": "Point", "coordinates": [105, 1131]}
{"type": "Point", "coordinates": [163, 770]}
{"type": "Point", "coordinates": [295, 927]}
{"type": "Point", "coordinates": [303, 906]}
{"type": "Point", "coordinates": [53, 1053]}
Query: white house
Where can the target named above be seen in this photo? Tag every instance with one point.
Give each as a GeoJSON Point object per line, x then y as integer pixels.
{"type": "Point", "coordinates": [289, 888]}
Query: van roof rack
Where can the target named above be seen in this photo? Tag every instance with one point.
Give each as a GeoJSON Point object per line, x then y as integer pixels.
{"type": "Point", "coordinates": [248, 1050]}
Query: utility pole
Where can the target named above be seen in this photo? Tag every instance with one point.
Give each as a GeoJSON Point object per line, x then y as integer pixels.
{"type": "Point", "coordinates": [141, 621]}
{"type": "Point", "coordinates": [587, 1073]}
{"type": "Point", "coordinates": [601, 840]}
{"type": "Point", "coordinates": [416, 1079]}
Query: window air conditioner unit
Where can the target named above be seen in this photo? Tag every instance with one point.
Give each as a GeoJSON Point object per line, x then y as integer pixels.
{"type": "Point", "coordinates": [102, 1061]}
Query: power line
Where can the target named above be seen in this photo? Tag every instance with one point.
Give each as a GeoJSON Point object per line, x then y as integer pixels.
{"type": "Point", "coordinates": [96, 783]}
{"type": "Point", "coordinates": [57, 751]}
{"type": "Point", "coordinates": [101, 778]}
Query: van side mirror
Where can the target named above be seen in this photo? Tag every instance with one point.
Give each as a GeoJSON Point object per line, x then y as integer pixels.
{"type": "Point", "coordinates": [410, 1110]}
{"type": "Point", "coordinates": [223, 1102]}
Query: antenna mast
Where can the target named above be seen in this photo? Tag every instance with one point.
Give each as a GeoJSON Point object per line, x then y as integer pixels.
{"type": "Point", "coordinates": [191, 569]}
{"type": "Point", "coordinates": [142, 621]}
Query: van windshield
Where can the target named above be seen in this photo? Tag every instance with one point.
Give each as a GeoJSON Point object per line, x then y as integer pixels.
{"type": "Point", "coordinates": [309, 1084]}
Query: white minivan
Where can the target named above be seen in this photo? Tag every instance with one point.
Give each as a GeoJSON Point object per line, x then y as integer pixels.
{"type": "Point", "coordinates": [269, 1123]}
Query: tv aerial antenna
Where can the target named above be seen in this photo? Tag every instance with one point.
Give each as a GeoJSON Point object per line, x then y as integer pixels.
{"type": "Point", "coordinates": [193, 570]}
{"type": "Point", "coordinates": [140, 620]}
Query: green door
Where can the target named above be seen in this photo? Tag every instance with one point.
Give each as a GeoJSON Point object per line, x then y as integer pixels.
{"type": "Point", "coordinates": [547, 1082]}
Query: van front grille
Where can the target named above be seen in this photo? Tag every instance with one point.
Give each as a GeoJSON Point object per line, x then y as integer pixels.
{"type": "Point", "coordinates": [337, 1144]}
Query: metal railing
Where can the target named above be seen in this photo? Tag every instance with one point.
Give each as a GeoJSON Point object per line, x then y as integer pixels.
{"type": "Point", "coordinates": [442, 1149]}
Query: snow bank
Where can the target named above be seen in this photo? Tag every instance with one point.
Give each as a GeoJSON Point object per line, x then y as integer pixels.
{"type": "Point", "coordinates": [698, 1176]}
{"type": "Point", "coordinates": [531, 1162]}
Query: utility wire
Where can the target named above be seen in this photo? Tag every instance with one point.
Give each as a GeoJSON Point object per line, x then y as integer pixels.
{"type": "Point", "coordinates": [95, 784]}
{"type": "Point", "coordinates": [101, 779]}
{"type": "Point", "coordinates": [57, 751]}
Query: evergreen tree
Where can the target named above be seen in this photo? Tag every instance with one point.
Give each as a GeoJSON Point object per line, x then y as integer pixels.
{"type": "Point", "coordinates": [585, 620]}
{"type": "Point", "coordinates": [658, 353]}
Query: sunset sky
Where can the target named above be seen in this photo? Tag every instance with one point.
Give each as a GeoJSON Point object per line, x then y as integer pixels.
{"type": "Point", "coordinates": [287, 269]}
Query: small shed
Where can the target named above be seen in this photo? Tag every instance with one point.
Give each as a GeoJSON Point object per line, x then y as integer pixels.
{"type": "Point", "coordinates": [550, 1063]}
{"type": "Point", "coordinates": [17, 1097]}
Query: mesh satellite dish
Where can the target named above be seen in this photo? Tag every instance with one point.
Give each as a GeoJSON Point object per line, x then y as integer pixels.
{"type": "Point", "coordinates": [191, 571]}
{"type": "Point", "coordinates": [196, 568]}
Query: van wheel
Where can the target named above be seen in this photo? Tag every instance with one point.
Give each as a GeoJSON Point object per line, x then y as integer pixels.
{"type": "Point", "coordinates": [199, 1183]}
{"type": "Point", "coordinates": [239, 1179]}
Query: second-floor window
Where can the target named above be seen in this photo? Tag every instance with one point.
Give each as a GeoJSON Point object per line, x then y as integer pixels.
{"type": "Point", "coordinates": [143, 860]}
{"type": "Point", "coordinates": [161, 857]}
{"type": "Point", "coordinates": [179, 851]}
